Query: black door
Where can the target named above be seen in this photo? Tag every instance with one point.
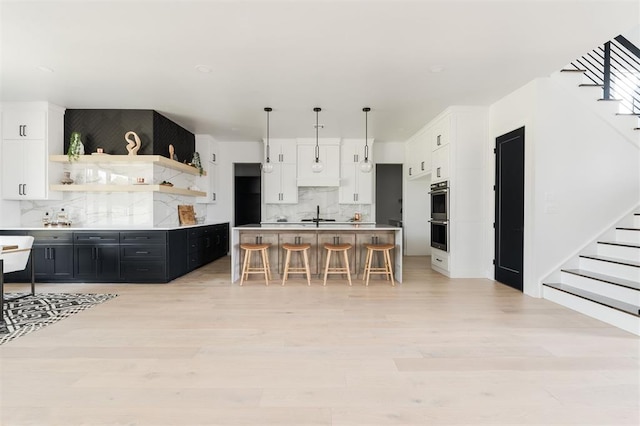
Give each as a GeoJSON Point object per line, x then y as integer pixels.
{"type": "Point", "coordinates": [247, 193]}
{"type": "Point", "coordinates": [509, 226]}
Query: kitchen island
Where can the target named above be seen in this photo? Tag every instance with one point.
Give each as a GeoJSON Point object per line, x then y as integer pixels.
{"type": "Point", "coordinates": [357, 234]}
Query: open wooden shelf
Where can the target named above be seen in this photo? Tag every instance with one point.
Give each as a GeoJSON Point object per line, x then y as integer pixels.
{"type": "Point", "coordinates": [129, 159]}
{"type": "Point", "coordinates": [127, 188]}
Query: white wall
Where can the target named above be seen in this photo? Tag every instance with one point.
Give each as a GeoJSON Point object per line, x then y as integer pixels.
{"type": "Point", "coordinates": [581, 174]}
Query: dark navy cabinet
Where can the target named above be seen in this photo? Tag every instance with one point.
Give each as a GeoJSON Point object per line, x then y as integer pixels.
{"type": "Point", "coordinates": [145, 256]}
{"type": "Point", "coordinates": [96, 256]}
{"type": "Point", "coordinates": [52, 254]}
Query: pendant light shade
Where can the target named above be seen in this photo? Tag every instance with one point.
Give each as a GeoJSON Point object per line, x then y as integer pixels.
{"type": "Point", "coordinates": [267, 166]}
{"type": "Point", "coordinates": [317, 166]}
{"type": "Point", "coordinates": [365, 165]}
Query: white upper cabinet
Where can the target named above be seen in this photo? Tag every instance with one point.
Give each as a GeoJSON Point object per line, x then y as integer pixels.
{"type": "Point", "coordinates": [440, 133]}
{"type": "Point", "coordinates": [356, 187]}
{"type": "Point", "coordinates": [280, 185]}
{"type": "Point", "coordinates": [207, 147]}
{"type": "Point", "coordinates": [418, 151]}
{"type": "Point", "coordinates": [329, 154]}
{"type": "Point", "coordinates": [31, 131]}
{"type": "Point", "coordinates": [23, 123]}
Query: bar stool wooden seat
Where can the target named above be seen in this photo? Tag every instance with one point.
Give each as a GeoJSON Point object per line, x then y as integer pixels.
{"type": "Point", "coordinates": [385, 249]}
{"type": "Point", "coordinates": [264, 268]}
{"type": "Point", "coordinates": [302, 249]}
{"type": "Point", "coordinates": [344, 269]}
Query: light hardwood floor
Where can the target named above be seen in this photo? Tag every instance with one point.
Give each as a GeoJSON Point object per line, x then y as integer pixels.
{"type": "Point", "coordinates": [431, 351]}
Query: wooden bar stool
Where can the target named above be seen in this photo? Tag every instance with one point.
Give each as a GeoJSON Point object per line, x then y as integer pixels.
{"type": "Point", "coordinates": [265, 268]}
{"type": "Point", "coordinates": [288, 269]}
{"type": "Point", "coordinates": [344, 248]}
{"type": "Point", "coordinates": [386, 270]}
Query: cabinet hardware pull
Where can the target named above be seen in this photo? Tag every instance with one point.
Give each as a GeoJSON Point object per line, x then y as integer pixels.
{"type": "Point", "coordinates": [438, 260]}
{"type": "Point", "coordinates": [52, 253]}
{"type": "Point", "coordinates": [422, 165]}
{"type": "Point", "coordinates": [214, 157]}
{"type": "Point", "coordinates": [141, 237]}
{"type": "Point", "coordinates": [438, 172]}
{"type": "Point", "coordinates": [410, 171]}
{"type": "Point", "coordinates": [142, 269]}
{"type": "Point", "coordinates": [24, 189]}
{"type": "Point", "coordinates": [142, 252]}
{"type": "Point", "coordinates": [438, 140]}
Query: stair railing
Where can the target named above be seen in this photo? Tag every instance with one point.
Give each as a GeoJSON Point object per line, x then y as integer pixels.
{"type": "Point", "coordinates": [615, 66]}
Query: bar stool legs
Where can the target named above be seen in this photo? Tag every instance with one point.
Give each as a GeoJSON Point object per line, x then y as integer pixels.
{"type": "Point", "coordinates": [339, 269]}
{"type": "Point", "coordinates": [288, 269]}
{"type": "Point", "coordinates": [264, 268]}
{"type": "Point", "coordinates": [386, 270]}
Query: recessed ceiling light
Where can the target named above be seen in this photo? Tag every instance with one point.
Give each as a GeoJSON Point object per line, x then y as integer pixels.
{"type": "Point", "coordinates": [436, 68]}
{"type": "Point", "coordinates": [203, 68]}
{"type": "Point", "coordinates": [45, 69]}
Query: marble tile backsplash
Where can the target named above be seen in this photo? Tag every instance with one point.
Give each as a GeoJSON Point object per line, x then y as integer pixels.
{"type": "Point", "coordinates": [308, 199]}
{"type": "Point", "coordinates": [116, 209]}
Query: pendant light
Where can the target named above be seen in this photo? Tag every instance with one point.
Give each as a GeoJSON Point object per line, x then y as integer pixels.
{"type": "Point", "coordinates": [317, 165]}
{"type": "Point", "coordinates": [267, 167]}
{"type": "Point", "coordinates": [366, 165]}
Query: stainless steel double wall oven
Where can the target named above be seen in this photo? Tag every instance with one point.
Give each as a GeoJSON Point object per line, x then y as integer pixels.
{"type": "Point", "coordinates": [440, 215]}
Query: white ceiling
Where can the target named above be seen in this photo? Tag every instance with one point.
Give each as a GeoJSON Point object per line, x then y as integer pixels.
{"type": "Point", "coordinates": [293, 56]}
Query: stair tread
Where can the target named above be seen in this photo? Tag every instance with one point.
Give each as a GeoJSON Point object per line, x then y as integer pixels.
{"type": "Point", "coordinates": [612, 260]}
{"type": "Point", "coordinates": [572, 70]}
{"type": "Point", "coordinates": [605, 278]}
{"type": "Point", "coordinates": [596, 298]}
{"type": "Point", "coordinates": [590, 85]}
{"type": "Point", "coordinates": [609, 100]}
{"type": "Point", "coordinates": [629, 229]}
{"type": "Point", "coordinates": [631, 114]}
{"type": "Point", "coordinates": [618, 243]}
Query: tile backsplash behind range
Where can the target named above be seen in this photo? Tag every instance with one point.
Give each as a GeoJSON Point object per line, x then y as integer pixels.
{"type": "Point", "coordinates": [308, 199]}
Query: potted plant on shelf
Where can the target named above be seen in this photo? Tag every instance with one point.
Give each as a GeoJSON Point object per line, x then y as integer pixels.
{"type": "Point", "coordinates": [76, 148]}
{"type": "Point", "coordinates": [195, 162]}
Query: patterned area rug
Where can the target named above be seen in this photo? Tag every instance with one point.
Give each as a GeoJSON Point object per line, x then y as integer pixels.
{"type": "Point", "coordinates": [31, 313]}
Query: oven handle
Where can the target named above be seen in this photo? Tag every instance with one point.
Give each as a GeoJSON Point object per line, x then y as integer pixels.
{"type": "Point", "coordinates": [439, 222]}
{"type": "Point", "coordinates": [440, 191]}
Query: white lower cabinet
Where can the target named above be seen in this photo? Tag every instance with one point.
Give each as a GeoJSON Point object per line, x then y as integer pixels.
{"type": "Point", "coordinates": [440, 260]}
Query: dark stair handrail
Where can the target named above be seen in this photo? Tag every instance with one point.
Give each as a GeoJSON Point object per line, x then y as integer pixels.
{"type": "Point", "coordinates": [615, 66]}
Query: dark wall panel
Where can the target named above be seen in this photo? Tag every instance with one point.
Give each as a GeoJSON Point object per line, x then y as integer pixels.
{"type": "Point", "coordinates": [105, 128]}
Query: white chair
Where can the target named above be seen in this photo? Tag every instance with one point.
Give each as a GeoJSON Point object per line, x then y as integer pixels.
{"type": "Point", "coordinates": [14, 256]}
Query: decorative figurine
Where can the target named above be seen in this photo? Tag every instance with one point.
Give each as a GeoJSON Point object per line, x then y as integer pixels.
{"type": "Point", "coordinates": [133, 145]}
{"type": "Point", "coordinates": [172, 153]}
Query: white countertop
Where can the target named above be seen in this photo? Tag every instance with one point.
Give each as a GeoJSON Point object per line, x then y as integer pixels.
{"type": "Point", "coordinates": [111, 228]}
{"type": "Point", "coordinates": [323, 226]}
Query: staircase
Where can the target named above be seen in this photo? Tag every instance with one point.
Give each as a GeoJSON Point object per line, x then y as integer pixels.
{"type": "Point", "coordinates": [604, 281]}
{"type": "Point", "coordinates": [605, 285]}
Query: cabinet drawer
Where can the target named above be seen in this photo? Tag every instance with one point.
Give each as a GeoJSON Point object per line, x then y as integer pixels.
{"type": "Point", "coordinates": [439, 260]}
{"type": "Point", "coordinates": [144, 237]}
{"type": "Point", "coordinates": [156, 252]}
{"type": "Point", "coordinates": [140, 271]}
{"type": "Point", "coordinates": [96, 237]}
{"type": "Point", "coordinates": [52, 237]}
